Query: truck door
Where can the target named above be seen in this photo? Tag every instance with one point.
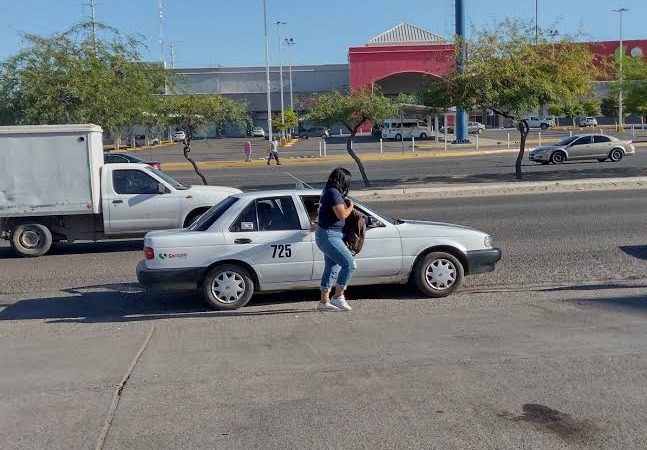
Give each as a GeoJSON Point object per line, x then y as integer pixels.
{"type": "Point", "coordinates": [135, 202]}
{"type": "Point", "coordinates": [269, 233]}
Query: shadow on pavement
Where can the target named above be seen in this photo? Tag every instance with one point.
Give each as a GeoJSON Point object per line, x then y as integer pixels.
{"type": "Point", "coordinates": [127, 303]}
{"type": "Point", "coordinates": [635, 303]}
{"type": "Point", "coordinates": [83, 248]}
{"type": "Point", "coordinates": [636, 251]}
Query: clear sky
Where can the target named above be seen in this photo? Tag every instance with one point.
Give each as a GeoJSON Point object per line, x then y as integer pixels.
{"type": "Point", "coordinates": [230, 32]}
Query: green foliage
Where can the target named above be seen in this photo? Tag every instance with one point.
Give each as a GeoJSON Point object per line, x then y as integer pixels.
{"type": "Point", "coordinates": [291, 120]}
{"type": "Point", "coordinates": [351, 110]}
{"type": "Point", "coordinates": [192, 113]}
{"type": "Point", "coordinates": [505, 71]}
{"type": "Point", "coordinates": [609, 105]}
{"type": "Point", "coordinates": [66, 79]}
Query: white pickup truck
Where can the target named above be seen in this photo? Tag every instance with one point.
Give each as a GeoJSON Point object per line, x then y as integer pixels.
{"type": "Point", "coordinates": [55, 187]}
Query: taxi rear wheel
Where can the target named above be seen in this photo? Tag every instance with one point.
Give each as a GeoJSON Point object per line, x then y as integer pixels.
{"type": "Point", "coordinates": [228, 287]}
{"type": "Point", "coordinates": [438, 274]}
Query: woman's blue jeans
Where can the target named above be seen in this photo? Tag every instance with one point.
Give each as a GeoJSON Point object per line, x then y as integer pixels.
{"type": "Point", "coordinates": [338, 260]}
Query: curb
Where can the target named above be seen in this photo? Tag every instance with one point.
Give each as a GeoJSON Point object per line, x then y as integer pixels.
{"type": "Point", "coordinates": [515, 187]}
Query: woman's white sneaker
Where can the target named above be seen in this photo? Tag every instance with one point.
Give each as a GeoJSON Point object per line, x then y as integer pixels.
{"type": "Point", "coordinates": [340, 302]}
{"type": "Point", "coordinates": [327, 307]}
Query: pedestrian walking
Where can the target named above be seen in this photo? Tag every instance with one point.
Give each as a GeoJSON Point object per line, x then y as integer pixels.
{"type": "Point", "coordinates": [334, 208]}
{"type": "Point", "coordinates": [248, 151]}
{"type": "Point", "coordinates": [274, 151]}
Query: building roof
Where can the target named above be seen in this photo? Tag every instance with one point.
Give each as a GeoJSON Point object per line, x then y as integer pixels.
{"type": "Point", "coordinates": [406, 33]}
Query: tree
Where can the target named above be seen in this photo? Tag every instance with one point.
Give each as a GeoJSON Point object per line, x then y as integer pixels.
{"type": "Point", "coordinates": [609, 106]}
{"type": "Point", "coordinates": [580, 107]}
{"type": "Point", "coordinates": [192, 114]}
{"type": "Point", "coordinates": [352, 110]}
{"type": "Point", "coordinates": [634, 86]}
{"type": "Point", "coordinates": [291, 121]}
{"type": "Point", "coordinates": [67, 78]}
{"type": "Point", "coordinates": [506, 72]}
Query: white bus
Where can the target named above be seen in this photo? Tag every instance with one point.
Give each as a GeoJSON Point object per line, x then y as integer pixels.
{"type": "Point", "coordinates": [399, 129]}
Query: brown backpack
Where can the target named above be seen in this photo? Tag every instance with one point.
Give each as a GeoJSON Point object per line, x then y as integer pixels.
{"type": "Point", "coordinates": [355, 231]}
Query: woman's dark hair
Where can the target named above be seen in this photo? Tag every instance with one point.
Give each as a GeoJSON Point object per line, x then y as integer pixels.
{"type": "Point", "coordinates": [339, 179]}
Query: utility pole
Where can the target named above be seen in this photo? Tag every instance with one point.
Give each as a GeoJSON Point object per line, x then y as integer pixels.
{"type": "Point", "coordinates": [290, 43]}
{"type": "Point", "coordinates": [536, 21]}
{"type": "Point", "coordinates": [461, 116]}
{"type": "Point", "coordinates": [278, 27]}
{"type": "Point", "coordinates": [172, 48]}
{"type": "Point", "coordinates": [622, 54]}
{"type": "Point", "coordinates": [93, 5]}
{"type": "Point", "coordinates": [161, 14]}
{"type": "Point", "coordinates": [267, 73]}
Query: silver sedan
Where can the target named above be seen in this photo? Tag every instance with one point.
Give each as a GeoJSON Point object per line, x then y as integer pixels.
{"type": "Point", "coordinates": [582, 147]}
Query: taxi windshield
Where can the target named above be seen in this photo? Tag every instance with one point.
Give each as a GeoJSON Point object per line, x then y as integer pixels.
{"type": "Point", "coordinates": [380, 215]}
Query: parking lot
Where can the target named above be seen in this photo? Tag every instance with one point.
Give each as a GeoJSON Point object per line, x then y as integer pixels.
{"type": "Point", "coordinates": [546, 352]}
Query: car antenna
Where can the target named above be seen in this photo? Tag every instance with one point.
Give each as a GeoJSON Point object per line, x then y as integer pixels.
{"type": "Point", "coordinates": [300, 183]}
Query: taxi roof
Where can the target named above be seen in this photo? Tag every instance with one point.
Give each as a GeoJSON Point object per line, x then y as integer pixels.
{"type": "Point", "coordinates": [277, 192]}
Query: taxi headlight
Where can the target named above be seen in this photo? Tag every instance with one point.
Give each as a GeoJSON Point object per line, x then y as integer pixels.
{"type": "Point", "coordinates": [487, 241]}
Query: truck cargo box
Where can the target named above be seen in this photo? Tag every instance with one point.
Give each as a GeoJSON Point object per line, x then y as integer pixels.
{"type": "Point", "coordinates": [50, 170]}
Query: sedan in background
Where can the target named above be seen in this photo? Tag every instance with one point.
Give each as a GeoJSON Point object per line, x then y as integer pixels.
{"type": "Point", "coordinates": [121, 158]}
{"type": "Point", "coordinates": [583, 147]}
{"type": "Point", "coordinates": [179, 136]}
{"type": "Point", "coordinates": [588, 122]}
{"type": "Point", "coordinates": [314, 132]}
{"type": "Point", "coordinates": [258, 132]}
{"type": "Point", "coordinates": [472, 127]}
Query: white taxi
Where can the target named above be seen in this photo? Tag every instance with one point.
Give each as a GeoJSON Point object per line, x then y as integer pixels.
{"type": "Point", "coordinates": [262, 241]}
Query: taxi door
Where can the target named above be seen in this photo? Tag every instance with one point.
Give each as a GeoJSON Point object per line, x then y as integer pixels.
{"type": "Point", "coordinates": [273, 235]}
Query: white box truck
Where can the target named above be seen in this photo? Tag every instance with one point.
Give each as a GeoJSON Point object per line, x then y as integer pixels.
{"type": "Point", "coordinates": [55, 187]}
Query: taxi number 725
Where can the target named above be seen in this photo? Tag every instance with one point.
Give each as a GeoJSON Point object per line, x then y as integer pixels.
{"type": "Point", "coordinates": [281, 250]}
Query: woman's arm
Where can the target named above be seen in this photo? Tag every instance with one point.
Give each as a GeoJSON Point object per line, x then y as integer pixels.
{"type": "Point", "coordinates": [342, 211]}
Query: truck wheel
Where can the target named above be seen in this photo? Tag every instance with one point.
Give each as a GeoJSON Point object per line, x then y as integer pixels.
{"type": "Point", "coordinates": [438, 274]}
{"type": "Point", "coordinates": [228, 287]}
{"type": "Point", "coordinates": [423, 136]}
{"type": "Point", "coordinates": [543, 126]}
{"type": "Point", "coordinates": [31, 239]}
{"type": "Point", "coordinates": [193, 217]}
{"type": "Point", "coordinates": [398, 137]}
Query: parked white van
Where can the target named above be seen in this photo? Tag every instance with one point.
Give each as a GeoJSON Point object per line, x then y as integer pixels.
{"type": "Point", "coordinates": [399, 129]}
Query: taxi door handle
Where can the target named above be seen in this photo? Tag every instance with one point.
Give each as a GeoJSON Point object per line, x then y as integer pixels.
{"type": "Point", "coordinates": [242, 241]}
{"type": "Point", "coordinates": [117, 201]}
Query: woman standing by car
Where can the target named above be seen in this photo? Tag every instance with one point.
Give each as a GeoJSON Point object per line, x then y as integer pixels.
{"type": "Point", "coordinates": [334, 208]}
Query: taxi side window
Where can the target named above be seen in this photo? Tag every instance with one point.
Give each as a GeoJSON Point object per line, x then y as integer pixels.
{"type": "Point", "coordinates": [268, 214]}
{"type": "Point", "coordinates": [133, 182]}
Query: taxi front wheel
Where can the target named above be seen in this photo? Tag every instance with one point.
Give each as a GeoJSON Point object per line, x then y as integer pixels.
{"type": "Point", "coordinates": [438, 274]}
{"type": "Point", "coordinates": [228, 287]}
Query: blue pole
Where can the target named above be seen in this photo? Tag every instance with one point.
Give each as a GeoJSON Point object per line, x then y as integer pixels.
{"type": "Point", "coordinates": [461, 115]}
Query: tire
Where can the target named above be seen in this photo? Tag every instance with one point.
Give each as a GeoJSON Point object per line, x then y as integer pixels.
{"type": "Point", "coordinates": [558, 157]}
{"type": "Point", "coordinates": [616, 154]}
{"type": "Point", "coordinates": [31, 239]}
{"type": "Point", "coordinates": [423, 136]}
{"type": "Point", "coordinates": [398, 137]}
{"type": "Point", "coordinates": [240, 287]}
{"type": "Point", "coordinates": [446, 281]}
{"type": "Point", "coordinates": [193, 217]}
{"type": "Point", "coordinates": [602, 159]}
{"type": "Point", "coordinates": [543, 126]}
{"type": "Point", "coordinates": [479, 131]}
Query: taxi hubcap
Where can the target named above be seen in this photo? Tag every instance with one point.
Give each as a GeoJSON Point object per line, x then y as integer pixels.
{"type": "Point", "coordinates": [228, 287]}
{"type": "Point", "coordinates": [441, 274]}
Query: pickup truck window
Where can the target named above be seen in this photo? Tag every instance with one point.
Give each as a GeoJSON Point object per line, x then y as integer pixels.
{"type": "Point", "coordinates": [133, 182]}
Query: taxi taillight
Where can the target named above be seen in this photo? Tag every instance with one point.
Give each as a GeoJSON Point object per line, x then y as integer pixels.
{"type": "Point", "coordinates": [149, 253]}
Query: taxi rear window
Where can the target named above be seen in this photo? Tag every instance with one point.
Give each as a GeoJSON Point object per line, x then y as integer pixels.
{"type": "Point", "coordinates": [213, 214]}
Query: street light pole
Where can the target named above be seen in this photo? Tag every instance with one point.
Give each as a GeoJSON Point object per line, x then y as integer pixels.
{"type": "Point", "coordinates": [536, 21]}
{"type": "Point", "coordinates": [278, 27]}
{"type": "Point", "coordinates": [267, 73]}
{"type": "Point", "coordinates": [290, 43]}
{"type": "Point", "coordinates": [620, 99]}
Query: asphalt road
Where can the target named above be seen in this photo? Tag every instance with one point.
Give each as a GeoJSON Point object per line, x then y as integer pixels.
{"type": "Point", "coordinates": [410, 172]}
{"type": "Point", "coordinates": [546, 352]}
